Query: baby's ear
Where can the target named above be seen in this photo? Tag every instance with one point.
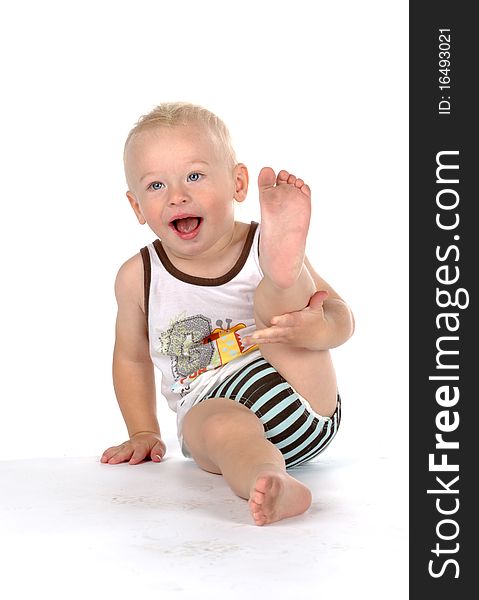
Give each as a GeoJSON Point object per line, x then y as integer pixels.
{"type": "Point", "coordinates": [136, 207]}
{"type": "Point", "coordinates": [241, 179]}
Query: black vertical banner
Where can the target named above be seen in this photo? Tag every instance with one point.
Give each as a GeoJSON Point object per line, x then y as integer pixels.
{"type": "Point", "coordinates": [444, 267]}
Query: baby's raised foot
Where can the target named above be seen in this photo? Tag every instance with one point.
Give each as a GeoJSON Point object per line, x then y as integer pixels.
{"type": "Point", "coordinates": [285, 202]}
{"type": "Point", "coordinates": [275, 496]}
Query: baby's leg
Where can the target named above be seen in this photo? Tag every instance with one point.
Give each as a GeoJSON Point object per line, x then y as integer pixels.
{"type": "Point", "coordinates": [287, 285]}
{"type": "Point", "coordinates": [227, 438]}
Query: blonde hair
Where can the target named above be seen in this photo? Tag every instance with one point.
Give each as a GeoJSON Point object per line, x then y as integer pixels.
{"type": "Point", "coordinates": [174, 114]}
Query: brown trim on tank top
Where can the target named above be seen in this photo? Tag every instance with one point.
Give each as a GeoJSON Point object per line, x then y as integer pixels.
{"type": "Point", "coordinates": [145, 255]}
{"type": "Point", "coordinates": [207, 281]}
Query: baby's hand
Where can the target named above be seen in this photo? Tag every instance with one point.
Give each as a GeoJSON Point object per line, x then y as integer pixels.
{"type": "Point", "coordinates": [141, 446]}
{"type": "Point", "coordinates": [302, 328]}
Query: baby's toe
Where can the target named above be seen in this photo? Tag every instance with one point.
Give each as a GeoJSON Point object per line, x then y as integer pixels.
{"type": "Point", "coordinates": [282, 176]}
{"type": "Point", "coordinates": [291, 179]}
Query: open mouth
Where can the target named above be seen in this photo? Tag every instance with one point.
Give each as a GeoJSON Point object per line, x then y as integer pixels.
{"type": "Point", "coordinates": [186, 226]}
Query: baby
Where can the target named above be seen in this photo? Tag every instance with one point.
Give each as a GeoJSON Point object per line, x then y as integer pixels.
{"type": "Point", "coordinates": [233, 314]}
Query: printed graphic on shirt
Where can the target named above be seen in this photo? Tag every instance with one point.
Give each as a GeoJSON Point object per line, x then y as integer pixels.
{"type": "Point", "coordinates": [183, 342]}
{"type": "Point", "coordinates": [194, 347]}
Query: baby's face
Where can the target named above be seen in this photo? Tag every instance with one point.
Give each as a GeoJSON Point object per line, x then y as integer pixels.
{"type": "Point", "coordinates": [183, 187]}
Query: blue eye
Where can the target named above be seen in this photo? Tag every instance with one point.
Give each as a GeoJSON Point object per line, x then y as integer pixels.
{"type": "Point", "coordinates": [194, 176]}
{"type": "Point", "coordinates": [156, 185]}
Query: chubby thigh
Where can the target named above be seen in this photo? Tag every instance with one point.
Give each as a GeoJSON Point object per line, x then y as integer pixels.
{"type": "Point", "coordinates": [214, 424]}
{"type": "Point", "coordinates": [265, 403]}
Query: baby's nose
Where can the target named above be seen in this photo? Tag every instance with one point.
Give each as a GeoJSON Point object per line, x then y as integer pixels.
{"type": "Point", "coordinates": [178, 196]}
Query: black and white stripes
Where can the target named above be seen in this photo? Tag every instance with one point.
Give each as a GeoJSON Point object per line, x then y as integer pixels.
{"type": "Point", "coordinates": [289, 423]}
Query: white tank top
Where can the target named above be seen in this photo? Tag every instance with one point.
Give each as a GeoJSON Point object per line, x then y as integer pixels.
{"type": "Point", "coordinates": [196, 324]}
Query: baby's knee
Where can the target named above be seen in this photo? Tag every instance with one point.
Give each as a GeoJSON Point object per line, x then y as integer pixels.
{"type": "Point", "coordinates": [211, 426]}
{"type": "Point", "coordinates": [230, 422]}
{"type": "Point", "coordinates": [216, 421]}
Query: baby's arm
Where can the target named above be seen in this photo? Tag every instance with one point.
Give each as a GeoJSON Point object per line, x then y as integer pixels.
{"type": "Point", "coordinates": [133, 372]}
{"type": "Point", "coordinates": [327, 322]}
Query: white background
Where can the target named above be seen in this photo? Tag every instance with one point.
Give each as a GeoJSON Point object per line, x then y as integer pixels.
{"type": "Point", "coordinates": [319, 88]}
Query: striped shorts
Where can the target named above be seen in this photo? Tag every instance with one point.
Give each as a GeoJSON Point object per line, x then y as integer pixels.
{"type": "Point", "coordinates": [289, 422]}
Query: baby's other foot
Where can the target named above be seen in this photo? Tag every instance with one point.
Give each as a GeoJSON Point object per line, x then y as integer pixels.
{"type": "Point", "coordinates": [275, 496]}
{"type": "Point", "coordinates": [285, 202]}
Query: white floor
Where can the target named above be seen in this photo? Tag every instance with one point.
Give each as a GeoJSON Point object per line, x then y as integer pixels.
{"type": "Point", "coordinates": [74, 528]}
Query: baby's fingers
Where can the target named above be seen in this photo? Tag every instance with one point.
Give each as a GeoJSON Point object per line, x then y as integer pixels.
{"type": "Point", "coordinates": [158, 452]}
{"type": "Point", "coordinates": [122, 454]}
{"type": "Point", "coordinates": [109, 453]}
{"type": "Point", "coordinates": [138, 455]}
{"type": "Point", "coordinates": [286, 320]}
{"type": "Point", "coordinates": [270, 335]}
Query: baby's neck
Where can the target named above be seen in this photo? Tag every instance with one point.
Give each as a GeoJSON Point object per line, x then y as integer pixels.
{"type": "Point", "coordinates": [216, 262]}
